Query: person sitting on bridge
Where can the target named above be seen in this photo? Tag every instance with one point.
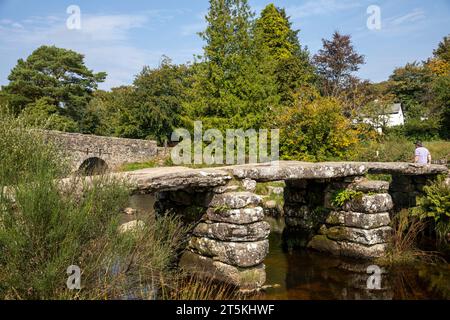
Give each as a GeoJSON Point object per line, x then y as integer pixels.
{"type": "Point", "coordinates": [422, 155]}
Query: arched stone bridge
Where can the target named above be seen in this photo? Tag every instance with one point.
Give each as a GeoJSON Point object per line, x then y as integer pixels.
{"type": "Point", "coordinates": [230, 239]}
{"type": "Point", "coordinates": [90, 152]}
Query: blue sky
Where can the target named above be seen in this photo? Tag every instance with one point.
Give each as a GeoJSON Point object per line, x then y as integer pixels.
{"type": "Point", "coordinates": [120, 37]}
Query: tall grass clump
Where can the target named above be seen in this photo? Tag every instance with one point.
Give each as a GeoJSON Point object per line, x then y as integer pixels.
{"type": "Point", "coordinates": [403, 246]}
{"type": "Point", "coordinates": [45, 227]}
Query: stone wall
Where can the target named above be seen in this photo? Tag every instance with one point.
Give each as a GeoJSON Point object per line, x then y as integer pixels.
{"type": "Point", "coordinates": [114, 151]}
{"type": "Point", "coordinates": [359, 228]}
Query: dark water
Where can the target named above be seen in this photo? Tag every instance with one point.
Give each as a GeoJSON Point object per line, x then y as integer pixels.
{"type": "Point", "coordinates": [309, 275]}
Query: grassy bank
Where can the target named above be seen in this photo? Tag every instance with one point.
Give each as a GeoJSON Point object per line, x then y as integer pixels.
{"type": "Point", "coordinates": [399, 149]}
{"type": "Point", "coordinates": [44, 230]}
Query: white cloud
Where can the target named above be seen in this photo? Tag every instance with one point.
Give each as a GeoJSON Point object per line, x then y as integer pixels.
{"type": "Point", "coordinates": [111, 27]}
{"type": "Point", "coordinates": [17, 25]}
{"type": "Point", "coordinates": [103, 39]}
{"type": "Point", "coordinates": [320, 7]}
{"type": "Point", "coordinates": [413, 16]}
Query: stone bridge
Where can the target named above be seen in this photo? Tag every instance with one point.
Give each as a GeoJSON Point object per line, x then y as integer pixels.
{"type": "Point", "coordinates": [230, 238]}
{"type": "Point", "coordinates": [92, 153]}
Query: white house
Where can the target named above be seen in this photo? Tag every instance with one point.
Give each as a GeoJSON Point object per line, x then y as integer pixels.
{"type": "Point", "coordinates": [395, 115]}
{"type": "Point", "coordinates": [392, 117]}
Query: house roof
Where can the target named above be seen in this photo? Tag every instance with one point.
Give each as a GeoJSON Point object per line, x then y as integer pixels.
{"type": "Point", "coordinates": [395, 108]}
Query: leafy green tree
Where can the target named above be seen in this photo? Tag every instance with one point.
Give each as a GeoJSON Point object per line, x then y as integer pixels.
{"type": "Point", "coordinates": [231, 84]}
{"type": "Point", "coordinates": [275, 34]}
{"type": "Point", "coordinates": [149, 109]}
{"type": "Point", "coordinates": [159, 95]}
{"type": "Point", "coordinates": [410, 85]}
{"type": "Point", "coordinates": [441, 90]}
{"type": "Point", "coordinates": [443, 49]}
{"type": "Point", "coordinates": [44, 114]}
{"type": "Point", "coordinates": [56, 73]}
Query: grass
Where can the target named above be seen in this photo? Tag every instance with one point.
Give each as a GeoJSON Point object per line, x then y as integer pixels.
{"type": "Point", "coordinates": [402, 247]}
{"type": "Point", "coordinates": [439, 149]}
{"type": "Point", "coordinates": [200, 288]}
{"type": "Point", "coordinates": [154, 163]}
{"type": "Point", "coordinates": [399, 149]}
{"type": "Point", "coordinates": [379, 177]}
{"type": "Point", "coordinates": [44, 230]}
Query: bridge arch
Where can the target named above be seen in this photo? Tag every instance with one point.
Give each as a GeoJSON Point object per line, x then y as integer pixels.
{"type": "Point", "coordinates": [92, 166]}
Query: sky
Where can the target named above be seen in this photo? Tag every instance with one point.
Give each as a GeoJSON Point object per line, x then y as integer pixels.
{"type": "Point", "coordinates": [121, 37]}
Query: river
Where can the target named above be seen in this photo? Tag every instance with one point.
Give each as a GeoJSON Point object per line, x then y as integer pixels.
{"type": "Point", "coordinates": [308, 275]}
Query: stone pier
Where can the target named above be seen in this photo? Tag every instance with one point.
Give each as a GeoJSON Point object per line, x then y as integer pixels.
{"type": "Point", "coordinates": [361, 226]}
{"type": "Point", "coordinates": [229, 240]}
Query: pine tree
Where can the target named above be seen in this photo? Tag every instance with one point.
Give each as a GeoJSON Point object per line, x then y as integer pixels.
{"type": "Point", "coordinates": [230, 88]}
{"type": "Point", "coordinates": [278, 41]}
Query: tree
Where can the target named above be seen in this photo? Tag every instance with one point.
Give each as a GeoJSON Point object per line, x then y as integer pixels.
{"type": "Point", "coordinates": [316, 131]}
{"type": "Point", "coordinates": [443, 50]}
{"type": "Point", "coordinates": [149, 109]}
{"type": "Point", "coordinates": [375, 113]}
{"type": "Point", "coordinates": [336, 62]}
{"type": "Point", "coordinates": [159, 95]}
{"type": "Point", "coordinates": [279, 43]}
{"type": "Point", "coordinates": [410, 86]}
{"type": "Point", "coordinates": [55, 73]}
{"type": "Point", "coordinates": [44, 114]}
{"type": "Point", "coordinates": [231, 85]}
{"type": "Point", "coordinates": [275, 34]}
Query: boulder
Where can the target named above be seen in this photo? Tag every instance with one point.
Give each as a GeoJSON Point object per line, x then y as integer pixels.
{"type": "Point", "coordinates": [249, 185]}
{"type": "Point", "coordinates": [275, 190]}
{"type": "Point", "coordinates": [295, 195]}
{"type": "Point", "coordinates": [302, 211]}
{"type": "Point", "coordinates": [348, 249]}
{"type": "Point", "coordinates": [130, 211]}
{"type": "Point", "coordinates": [233, 232]}
{"type": "Point", "coordinates": [132, 226]}
{"type": "Point", "coordinates": [239, 254]}
{"type": "Point", "coordinates": [367, 186]}
{"type": "Point", "coordinates": [235, 200]}
{"type": "Point", "coordinates": [235, 216]}
{"type": "Point", "coordinates": [362, 236]}
{"type": "Point", "coordinates": [270, 204]}
{"type": "Point", "coordinates": [358, 219]}
{"type": "Point", "coordinates": [226, 188]}
{"type": "Point", "coordinates": [244, 278]}
{"type": "Point", "coordinates": [320, 242]}
{"type": "Point", "coordinates": [377, 203]}
{"type": "Point", "coordinates": [356, 250]}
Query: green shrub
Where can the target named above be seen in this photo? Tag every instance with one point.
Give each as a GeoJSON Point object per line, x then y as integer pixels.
{"type": "Point", "coordinates": [341, 197]}
{"type": "Point", "coordinates": [316, 131]}
{"type": "Point", "coordinates": [435, 204]}
{"type": "Point", "coordinates": [416, 129]}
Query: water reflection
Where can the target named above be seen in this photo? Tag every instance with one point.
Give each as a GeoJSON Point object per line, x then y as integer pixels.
{"type": "Point", "coordinates": [143, 206]}
{"type": "Point", "coordinates": [308, 275]}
